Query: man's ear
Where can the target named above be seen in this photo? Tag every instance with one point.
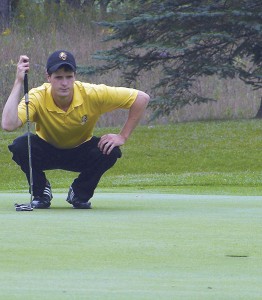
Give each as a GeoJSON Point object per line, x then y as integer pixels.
{"type": "Point", "coordinates": [47, 76]}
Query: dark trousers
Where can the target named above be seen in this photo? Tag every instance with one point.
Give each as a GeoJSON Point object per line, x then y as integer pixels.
{"type": "Point", "coordinates": [87, 159]}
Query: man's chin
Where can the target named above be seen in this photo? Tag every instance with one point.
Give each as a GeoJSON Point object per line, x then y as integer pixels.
{"type": "Point", "coordinates": [64, 94]}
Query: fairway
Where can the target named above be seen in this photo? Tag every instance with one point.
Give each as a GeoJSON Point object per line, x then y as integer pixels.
{"type": "Point", "coordinates": [133, 246]}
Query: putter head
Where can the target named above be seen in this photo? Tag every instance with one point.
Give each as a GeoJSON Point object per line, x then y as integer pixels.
{"type": "Point", "coordinates": [23, 207]}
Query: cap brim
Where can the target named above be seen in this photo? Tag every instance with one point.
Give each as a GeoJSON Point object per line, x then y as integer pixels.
{"type": "Point", "coordinates": [57, 66]}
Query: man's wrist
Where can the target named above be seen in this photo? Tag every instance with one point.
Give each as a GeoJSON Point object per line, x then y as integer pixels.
{"type": "Point", "coordinates": [124, 136]}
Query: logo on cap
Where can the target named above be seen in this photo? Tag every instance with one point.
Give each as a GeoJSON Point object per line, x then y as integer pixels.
{"type": "Point", "coordinates": [62, 55]}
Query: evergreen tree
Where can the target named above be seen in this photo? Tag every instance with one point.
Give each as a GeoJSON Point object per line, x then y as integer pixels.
{"type": "Point", "coordinates": [186, 39]}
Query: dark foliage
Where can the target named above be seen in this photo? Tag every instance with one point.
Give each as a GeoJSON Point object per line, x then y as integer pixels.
{"type": "Point", "coordinates": [186, 39]}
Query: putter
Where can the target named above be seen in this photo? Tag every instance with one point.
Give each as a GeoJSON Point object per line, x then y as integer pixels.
{"type": "Point", "coordinates": [27, 207]}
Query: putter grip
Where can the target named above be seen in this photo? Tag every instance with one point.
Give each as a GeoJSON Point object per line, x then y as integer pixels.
{"type": "Point", "coordinates": [26, 84]}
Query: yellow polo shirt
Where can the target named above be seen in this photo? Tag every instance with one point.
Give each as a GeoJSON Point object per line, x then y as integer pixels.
{"type": "Point", "coordinates": [75, 126]}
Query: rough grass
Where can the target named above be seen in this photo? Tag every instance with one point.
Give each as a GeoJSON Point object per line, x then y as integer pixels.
{"type": "Point", "coordinates": [192, 157]}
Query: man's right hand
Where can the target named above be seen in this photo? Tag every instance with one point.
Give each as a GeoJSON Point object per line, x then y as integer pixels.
{"type": "Point", "coordinates": [22, 67]}
{"type": "Point", "coordinates": [10, 119]}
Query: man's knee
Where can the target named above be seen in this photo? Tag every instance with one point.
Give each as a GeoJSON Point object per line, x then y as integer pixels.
{"type": "Point", "coordinates": [116, 153]}
{"type": "Point", "coordinates": [19, 146]}
{"type": "Point", "coordinates": [112, 157]}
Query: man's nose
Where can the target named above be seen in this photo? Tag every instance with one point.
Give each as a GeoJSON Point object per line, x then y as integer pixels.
{"type": "Point", "coordinates": [64, 81]}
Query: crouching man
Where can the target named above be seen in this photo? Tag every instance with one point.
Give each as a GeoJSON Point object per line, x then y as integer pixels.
{"type": "Point", "coordinates": [65, 112]}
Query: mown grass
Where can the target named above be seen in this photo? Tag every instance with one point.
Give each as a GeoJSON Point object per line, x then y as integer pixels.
{"type": "Point", "coordinates": [197, 157]}
{"type": "Point", "coordinates": [133, 246]}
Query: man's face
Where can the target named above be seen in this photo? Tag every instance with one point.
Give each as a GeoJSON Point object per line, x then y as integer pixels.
{"type": "Point", "coordinates": [62, 83]}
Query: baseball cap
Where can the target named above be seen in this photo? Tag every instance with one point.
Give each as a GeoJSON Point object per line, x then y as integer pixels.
{"type": "Point", "coordinates": [60, 58]}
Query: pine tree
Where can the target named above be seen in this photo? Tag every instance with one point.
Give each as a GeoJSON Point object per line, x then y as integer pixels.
{"type": "Point", "coordinates": [186, 39]}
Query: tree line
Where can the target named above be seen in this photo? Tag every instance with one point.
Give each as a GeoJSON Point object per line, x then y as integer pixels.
{"type": "Point", "coordinates": [183, 39]}
{"type": "Point", "coordinates": [8, 7]}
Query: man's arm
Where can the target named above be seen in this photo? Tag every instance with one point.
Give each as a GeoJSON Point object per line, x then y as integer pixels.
{"type": "Point", "coordinates": [136, 112]}
{"type": "Point", "coordinates": [10, 120]}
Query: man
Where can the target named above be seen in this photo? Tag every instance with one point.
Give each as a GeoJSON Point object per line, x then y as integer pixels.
{"type": "Point", "coordinates": [65, 112]}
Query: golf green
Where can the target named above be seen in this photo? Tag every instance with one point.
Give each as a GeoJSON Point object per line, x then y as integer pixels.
{"type": "Point", "coordinates": [133, 246]}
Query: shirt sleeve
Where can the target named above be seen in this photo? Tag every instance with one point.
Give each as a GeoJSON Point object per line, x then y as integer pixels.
{"type": "Point", "coordinates": [111, 98]}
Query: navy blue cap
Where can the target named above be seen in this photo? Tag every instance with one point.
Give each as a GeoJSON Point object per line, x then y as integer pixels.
{"type": "Point", "coordinates": [58, 59]}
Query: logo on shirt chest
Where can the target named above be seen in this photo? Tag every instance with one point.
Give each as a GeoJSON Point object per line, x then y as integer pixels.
{"type": "Point", "coordinates": [83, 120]}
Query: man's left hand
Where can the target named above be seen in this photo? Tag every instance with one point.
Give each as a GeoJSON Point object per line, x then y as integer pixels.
{"type": "Point", "coordinates": [109, 141]}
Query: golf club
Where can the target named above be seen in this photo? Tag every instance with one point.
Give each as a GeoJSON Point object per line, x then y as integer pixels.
{"type": "Point", "coordinates": [27, 207]}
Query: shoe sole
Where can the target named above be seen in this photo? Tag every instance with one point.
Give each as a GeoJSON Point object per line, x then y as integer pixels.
{"type": "Point", "coordinates": [83, 206]}
{"type": "Point", "coordinates": [39, 206]}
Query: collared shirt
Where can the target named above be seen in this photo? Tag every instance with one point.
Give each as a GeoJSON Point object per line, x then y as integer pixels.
{"type": "Point", "coordinates": [75, 126]}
